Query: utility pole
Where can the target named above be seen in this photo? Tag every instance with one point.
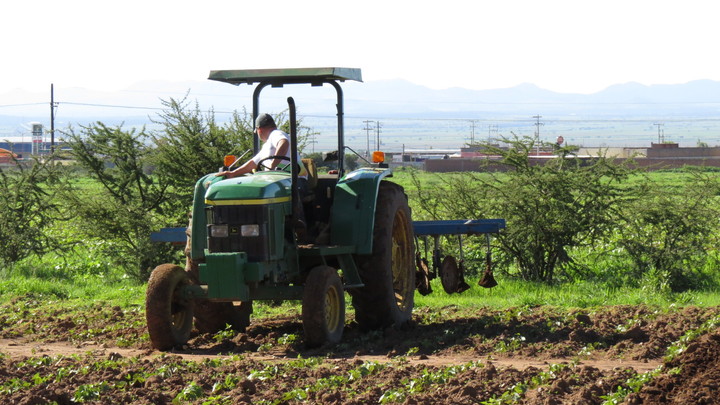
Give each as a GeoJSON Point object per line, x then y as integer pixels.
{"type": "Point", "coordinates": [472, 131]}
{"type": "Point", "coordinates": [492, 129]}
{"type": "Point", "coordinates": [661, 133]}
{"type": "Point", "coordinates": [537, 133]}
{"type": "Point", "coordinates": [52, 119]}
{"type": "Point", "coordinates": [377, 127]}
{"type": "Point", "coordinates": [367, 135]}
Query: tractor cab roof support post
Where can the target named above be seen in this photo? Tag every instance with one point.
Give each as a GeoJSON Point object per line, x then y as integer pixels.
{"type": "Point", "coordinates": [341, 128]}
{"type": "Point", "coordinates": [256, 113]}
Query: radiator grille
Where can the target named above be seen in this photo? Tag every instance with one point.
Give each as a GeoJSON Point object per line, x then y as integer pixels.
{"type": "Point", "coordinates": [256, 247]}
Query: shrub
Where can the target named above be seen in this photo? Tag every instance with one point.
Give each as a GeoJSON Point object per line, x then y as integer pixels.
{"type": "Point", "coordinates": [127, 203]}
{"type": "Point", "coordinates": [191, 145]}
{"type": "Point", "coordinates": [550, 208]}
{"type": "Point", "coordinates": [667, 235]}
{"type": "Point", "coordinates": [28, 209]}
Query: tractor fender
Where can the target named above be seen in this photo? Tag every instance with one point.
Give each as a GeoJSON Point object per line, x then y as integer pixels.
{"type": "Point", "coordinates": [352, 216]}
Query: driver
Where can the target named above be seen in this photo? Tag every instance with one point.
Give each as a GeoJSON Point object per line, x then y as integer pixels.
{"type": "Point", "coordinates": [275, 143]}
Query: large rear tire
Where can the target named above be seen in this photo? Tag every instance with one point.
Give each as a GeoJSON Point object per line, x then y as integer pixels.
{"type": "Point", "coordinates": [169, 315]}
{"type": "Point", "coordinates": [387, 299]}
{"type": "Point", "coordinates": [211, 317]}
{"type": "Point", "coordinates": [323, 307]}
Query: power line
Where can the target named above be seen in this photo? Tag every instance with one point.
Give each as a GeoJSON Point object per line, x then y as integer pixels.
{"type": "Point", "coordinates": [112, 106]}
{"type": "Point", "coordinates": [390, 118]}
{"type": "Point", "coordinates": [21, 105]}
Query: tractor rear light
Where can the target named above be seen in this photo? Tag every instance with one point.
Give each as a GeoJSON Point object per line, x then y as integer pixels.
{"type": "Point", "coordinates": [378, 157]}
{"type": "Point", "coordinates": [219, 231]}
{"type": "Point", "coordinates": [249, 230]}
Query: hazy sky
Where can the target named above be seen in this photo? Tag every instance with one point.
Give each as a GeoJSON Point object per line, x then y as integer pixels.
{"type": "Point", "coordinates": [566, 46]}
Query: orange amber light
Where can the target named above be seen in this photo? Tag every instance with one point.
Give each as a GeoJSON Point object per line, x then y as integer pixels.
{"type": "Point", "coordinates": [229, 159]}
{"type": "Point", "coordinates": [378, 157]}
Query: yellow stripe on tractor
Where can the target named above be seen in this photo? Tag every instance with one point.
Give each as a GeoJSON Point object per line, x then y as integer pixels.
{"type": "Point", "coordinates": [263, 201]}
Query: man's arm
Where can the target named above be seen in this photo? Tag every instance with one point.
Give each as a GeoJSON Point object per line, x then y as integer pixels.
{"type": "Point", "coordinates": [281, 149]}
{"type": "Point", "coordinates": [247, 167]}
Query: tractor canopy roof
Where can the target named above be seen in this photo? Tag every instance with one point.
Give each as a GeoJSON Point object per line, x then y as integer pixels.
{"type": "Point", "coordinates": [278, 77]}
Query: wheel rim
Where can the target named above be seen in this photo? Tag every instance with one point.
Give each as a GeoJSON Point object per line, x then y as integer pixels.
{"type": "Point", "coordinates": [401, 261]}
{"type": "Point", "coordinates": [179, 313]}
{"type": "Point", "coordinates": [332, 309]}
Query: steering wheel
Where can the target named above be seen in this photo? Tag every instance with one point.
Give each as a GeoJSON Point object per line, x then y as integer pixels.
{"type": "Point", "coordinates": [281, 157]}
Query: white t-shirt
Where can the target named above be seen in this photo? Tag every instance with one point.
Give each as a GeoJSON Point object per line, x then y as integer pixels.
{"type": "Point", "coordinates": [270, 147]}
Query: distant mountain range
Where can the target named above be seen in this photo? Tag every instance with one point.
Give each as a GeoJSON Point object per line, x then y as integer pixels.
{"type": "Point", "coordinates": [382, 98]}
{"type": "Point", "coordinates": [374, 100]}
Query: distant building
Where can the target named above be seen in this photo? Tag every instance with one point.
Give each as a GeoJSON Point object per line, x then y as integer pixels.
{"type": "Point", "coordinates": [657, 156]}
{"type": "Point", "coordinates": [673, 150]}
{"type": "Point", "coordinates": [421, 155]}
{"type": "Point", "coordinates": [480, 152]}
{"type": "Point", "coordinates": [6, 156]}
{"type": "Point", "coordinates": [27, 149]}
{"type": "Point", "coordinates": [21, 148]}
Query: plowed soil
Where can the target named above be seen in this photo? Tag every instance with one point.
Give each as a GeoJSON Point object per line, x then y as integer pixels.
{"type": "Point", "coordinates": [530, 355]}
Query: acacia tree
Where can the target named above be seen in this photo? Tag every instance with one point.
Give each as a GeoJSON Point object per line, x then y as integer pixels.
{"type": "Point", "coordinates": [667, 235]}
{"type": "Point", "coordinates": [192, 143]}
{"type": "Point", "coordinates": [127, 203]}
{"type": "Point", "coordinates": [549, 207]}
{"type": "Point", "coordinates": [29, 208]}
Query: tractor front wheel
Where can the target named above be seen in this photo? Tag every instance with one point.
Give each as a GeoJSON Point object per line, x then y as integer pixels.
{"type": "Point", "coordinates": [169, 315]}
{"type": "Point", "coordinates": [323, 307]}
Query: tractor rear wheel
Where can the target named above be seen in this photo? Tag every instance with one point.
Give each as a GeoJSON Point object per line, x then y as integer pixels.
{"type": "Point", "coordinates": [211, 317]}
{"type": "Point", "coordinates": [169, 315]}
{"type": "Point", "coordinates": [388, 273]}
{"type": "Point", "coordinates": [323, 307]}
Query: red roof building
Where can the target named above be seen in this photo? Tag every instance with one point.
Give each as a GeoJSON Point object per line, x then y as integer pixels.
{"type": "Point", "coordinates": [6, 156]}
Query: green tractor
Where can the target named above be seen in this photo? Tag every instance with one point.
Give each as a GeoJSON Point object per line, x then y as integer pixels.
{"type": "Point", "coordinates": [256, 237]}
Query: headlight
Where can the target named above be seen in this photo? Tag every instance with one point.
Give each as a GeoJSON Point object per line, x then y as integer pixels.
{"type": "Point", "coordinates": [250, 230]}
{"type": "Point", "coordinates": [219, 231]}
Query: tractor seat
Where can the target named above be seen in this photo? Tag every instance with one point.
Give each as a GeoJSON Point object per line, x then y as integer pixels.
{"type": "Point", "coordinates": [312, 179]}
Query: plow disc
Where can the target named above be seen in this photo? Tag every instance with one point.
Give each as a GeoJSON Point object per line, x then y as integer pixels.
{"type": "Point", "coordinates": [422, 275]}
{"type": "Point", "coordinates": [488, 280]}
{"type": "Point", "coordinates": [451, 276]}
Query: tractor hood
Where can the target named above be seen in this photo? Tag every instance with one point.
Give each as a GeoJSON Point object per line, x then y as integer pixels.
{"type": "Point", "coordinates": [258, 188]}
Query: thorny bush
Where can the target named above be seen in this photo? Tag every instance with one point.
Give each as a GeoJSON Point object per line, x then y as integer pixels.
{"type": "Point", "coordinates": [549, 207]}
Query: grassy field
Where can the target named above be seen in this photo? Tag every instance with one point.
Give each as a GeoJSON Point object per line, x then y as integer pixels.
{"type": "Point", "coordinates": [57, 284]}
{"type": "Point", "coordinates": [85, 274]}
